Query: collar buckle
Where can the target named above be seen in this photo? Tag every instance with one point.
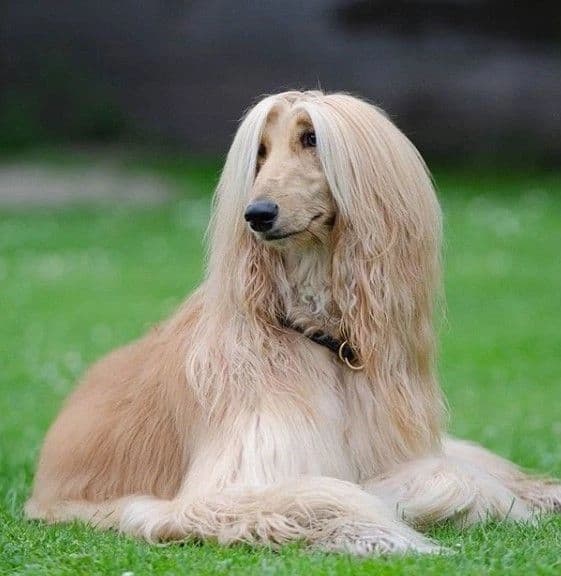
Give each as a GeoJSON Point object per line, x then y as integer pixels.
{"type": "Point", "coordinates": [344, 352]}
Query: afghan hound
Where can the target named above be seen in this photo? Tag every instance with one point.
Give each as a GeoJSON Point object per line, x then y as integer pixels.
{"type": "Point", "coordinates": [293, 396]}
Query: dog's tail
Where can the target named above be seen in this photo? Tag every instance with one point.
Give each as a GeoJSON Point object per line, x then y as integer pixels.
{"type": "Point", "coordinates": [328, 514]}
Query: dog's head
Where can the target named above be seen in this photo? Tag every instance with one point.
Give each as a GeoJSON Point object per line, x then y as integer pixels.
{"type": "Point", "coordinates": [290, 201]}
{"type": "Point", "coordinates": [330, 167]}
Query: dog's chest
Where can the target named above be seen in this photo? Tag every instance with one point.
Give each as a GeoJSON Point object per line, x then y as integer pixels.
{"type": "Point", "coordinates": [282, 437]}
{"type": "Point", "coordinates": [287, 441]}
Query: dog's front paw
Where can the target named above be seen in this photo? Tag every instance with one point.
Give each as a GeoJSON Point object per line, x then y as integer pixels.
{"type": "Point", "coordinates": [542, 495]}
{"type": "Point", "coordinates": [152, 519]}
{"type": "Point", "coordinates": [365, 540]}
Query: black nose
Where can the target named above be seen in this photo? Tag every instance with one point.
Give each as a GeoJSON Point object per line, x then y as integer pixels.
{"type": "Point", "coordinates": [261, 215]}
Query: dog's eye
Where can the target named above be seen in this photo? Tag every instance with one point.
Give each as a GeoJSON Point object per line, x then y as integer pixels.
{"type": "Point", "coordinates": [308, 139]}
{"type": "Point", "coordinates": [262, 151]}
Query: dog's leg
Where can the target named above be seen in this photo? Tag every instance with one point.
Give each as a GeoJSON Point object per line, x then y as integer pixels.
{"type": "Point", "coordinates": [466, 484]}
{"type": "Point", "coordinates": [542, 494]}
{"type": "Point", "coordinates": [328, 514]}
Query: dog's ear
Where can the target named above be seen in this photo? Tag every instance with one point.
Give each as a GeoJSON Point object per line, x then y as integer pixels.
{"type": "Point", "coordinates": [386, 236]}
{"type": "Point", "coordinates": [385, 268]}
{"type": "Point", "coordinates": [240, 272]}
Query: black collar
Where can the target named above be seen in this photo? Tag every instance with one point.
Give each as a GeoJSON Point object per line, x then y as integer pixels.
{"type": "Point", "coordinates": [342, 348]}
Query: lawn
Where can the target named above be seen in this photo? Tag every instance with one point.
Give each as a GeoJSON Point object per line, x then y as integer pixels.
{"type": "Point", "coordinates": [75, 283]}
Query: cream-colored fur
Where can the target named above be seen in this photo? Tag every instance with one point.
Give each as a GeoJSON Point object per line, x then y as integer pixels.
{"type": "Point", "coordinates": [223, 424]}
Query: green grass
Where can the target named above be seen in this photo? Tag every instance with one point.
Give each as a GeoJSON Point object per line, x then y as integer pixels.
{"type": "Point", "coordinates": [76, 283]}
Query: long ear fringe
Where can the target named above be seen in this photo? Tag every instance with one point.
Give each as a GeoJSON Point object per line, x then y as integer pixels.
{"type": "Point", "coordinates": [386, 269]}
{"type": "Point", "coordinates": [240, 274]}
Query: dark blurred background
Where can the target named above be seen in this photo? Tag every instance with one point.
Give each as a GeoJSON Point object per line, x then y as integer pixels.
{"type": "Point", "coordinates": [465, 79]}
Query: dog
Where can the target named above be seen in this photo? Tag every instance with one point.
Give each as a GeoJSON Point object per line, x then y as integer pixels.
{"type": "Point", "coordinates": [293, 396]}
